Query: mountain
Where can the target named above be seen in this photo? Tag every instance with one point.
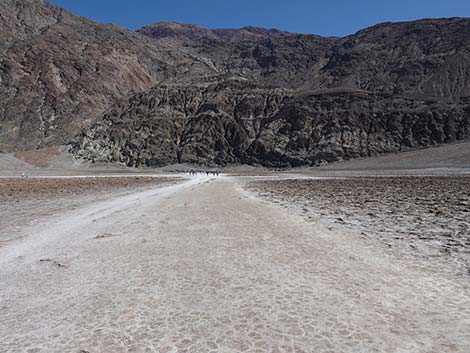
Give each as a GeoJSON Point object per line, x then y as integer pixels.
{"type": "Point", "coordinates": [58, 71]}
{"type": "Point", "coordinates": [426, 57]}
{"type": "Point", "coordinates": [238, 121]}
{"type": "Point", "coordinates": [183, 93]}
{"type": "Point", "coordinates": [271, 56]}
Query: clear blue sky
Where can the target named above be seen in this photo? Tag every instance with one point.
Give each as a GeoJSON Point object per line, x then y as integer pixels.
{"type": "Point", "coordinates": [325, 17]}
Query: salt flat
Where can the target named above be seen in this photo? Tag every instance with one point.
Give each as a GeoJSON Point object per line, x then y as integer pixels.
{"type": "Point", "coordinates": [206, 266]}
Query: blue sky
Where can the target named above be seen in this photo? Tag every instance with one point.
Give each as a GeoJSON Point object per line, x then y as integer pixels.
{"type": "Point", "coordinates": [327, 17]}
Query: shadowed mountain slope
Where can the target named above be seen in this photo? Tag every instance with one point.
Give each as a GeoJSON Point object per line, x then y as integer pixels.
{"type": "Point", "coordinates": [241, 122]}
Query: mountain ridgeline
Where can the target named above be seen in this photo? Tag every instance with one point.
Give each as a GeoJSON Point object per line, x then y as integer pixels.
{"type": "Point", "coordinates": [173, 93]}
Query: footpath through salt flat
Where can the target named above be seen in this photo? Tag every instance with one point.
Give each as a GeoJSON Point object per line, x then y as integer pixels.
{"type": "Point", "coordinates": [204, 266]}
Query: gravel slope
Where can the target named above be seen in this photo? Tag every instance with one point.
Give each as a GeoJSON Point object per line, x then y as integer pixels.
{"type": "Point", "coordinates": [452, 156]}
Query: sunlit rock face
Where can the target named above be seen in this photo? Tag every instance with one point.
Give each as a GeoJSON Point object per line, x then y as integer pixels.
{"type": "Point", "coordinates": [182, 93]}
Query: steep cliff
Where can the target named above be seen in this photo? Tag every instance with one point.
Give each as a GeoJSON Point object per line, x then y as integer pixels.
{"type": "Point", "coordinates": [242, 122]}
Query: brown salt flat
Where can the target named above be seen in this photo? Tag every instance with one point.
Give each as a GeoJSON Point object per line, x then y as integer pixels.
{"type": "Point", "coordinates": [25, 201]}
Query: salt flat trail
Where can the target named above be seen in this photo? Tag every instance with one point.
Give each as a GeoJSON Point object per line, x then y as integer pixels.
{"type": "Point", "coordinates": [206, 267]}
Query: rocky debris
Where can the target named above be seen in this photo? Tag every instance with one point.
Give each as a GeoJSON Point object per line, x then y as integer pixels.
{"type": "Point", "coordinates": [54, 262]}
{"type": "Point", "coordinates": [40, 158]}
{"type": "Point", "coordinates": [238, 121]}
{"type": "Point", "coordinates": [106, 236]}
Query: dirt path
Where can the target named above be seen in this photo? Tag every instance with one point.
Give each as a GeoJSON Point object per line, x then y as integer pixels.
{"type": "Point", "coordinates": [203, 266]}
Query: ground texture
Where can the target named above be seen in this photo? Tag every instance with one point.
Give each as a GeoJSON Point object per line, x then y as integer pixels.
{"type": "Point", "coordinates": [26, 201]}
{"type": "Point", "coordinates": [428, 217]}
{"type": "Point", "coordinates": [205, 266]}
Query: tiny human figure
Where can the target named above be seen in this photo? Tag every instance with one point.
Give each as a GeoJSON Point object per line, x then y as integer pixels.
{"type": "Point", "coordinates": [207, 172]}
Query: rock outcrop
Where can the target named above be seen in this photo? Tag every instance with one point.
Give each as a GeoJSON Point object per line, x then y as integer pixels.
{"type": "Point", "coordinates": [241, 122]}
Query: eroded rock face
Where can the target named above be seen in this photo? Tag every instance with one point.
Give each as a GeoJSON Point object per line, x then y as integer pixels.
{"type": "Point", "coordinates": [59, 71]}
{"type": "Point", "coordinates": [241, 122]}
{"type": "Point", "coordinates": [430, 57]}
{"type": "Point", "coordinates": [183, 93]}
{"type": "Point", "coordinates": [213, 123]}
{"type": "Point", "coordinates": [287, 60]}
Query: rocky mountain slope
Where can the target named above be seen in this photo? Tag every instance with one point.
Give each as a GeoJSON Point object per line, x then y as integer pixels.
{"type": "Point", "coordinates": [271, 56]}
{"type": "Point", "coordinates": [172, 93]}
{"type": "Point", "coordinates": [242, 122]}
{"type": "Point", "coordinates": [427, 57]}
{"type": "Point", "coordinates": [58, 71]}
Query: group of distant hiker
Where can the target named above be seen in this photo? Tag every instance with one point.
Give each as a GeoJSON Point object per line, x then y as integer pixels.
{"type": "Point", "coordinates": [208, 172]}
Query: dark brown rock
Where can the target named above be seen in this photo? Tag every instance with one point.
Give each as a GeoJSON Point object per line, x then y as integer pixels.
{"type": "Point", "coordinates": [241, 122]}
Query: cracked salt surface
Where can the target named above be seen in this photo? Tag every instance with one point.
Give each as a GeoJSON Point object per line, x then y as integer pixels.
{"type": "Point", "coordinates": [203, 266]}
